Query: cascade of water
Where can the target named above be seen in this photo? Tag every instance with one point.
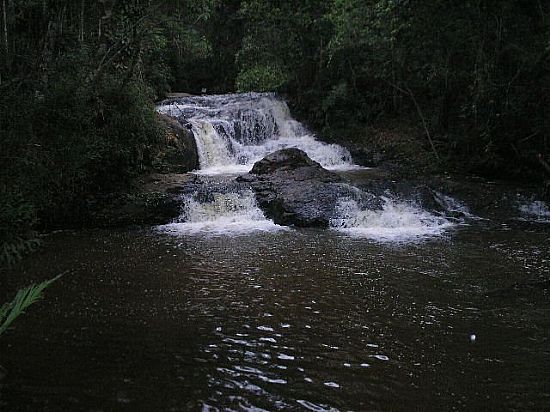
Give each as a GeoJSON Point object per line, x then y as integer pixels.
{"type": "Point", "coordinates": [396, 221]}
{"type": "Point", "coordinates": [536, 211]}
{"type": "Point", "coordinates": [236, 130]}
{"type": "Point", "coordinates": [223, 213]}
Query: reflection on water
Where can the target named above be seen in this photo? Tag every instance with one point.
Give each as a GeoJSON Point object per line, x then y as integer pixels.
{"type": "Point", "coordinates": [300, 320]}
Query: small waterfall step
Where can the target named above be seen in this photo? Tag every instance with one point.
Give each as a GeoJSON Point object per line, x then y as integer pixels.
{"type": "Point", "coordinates": [291, 176]}
{"type": "Point", "coordinates": [234, 131]}
{"type": "Point", "coordinates": [220, 212]}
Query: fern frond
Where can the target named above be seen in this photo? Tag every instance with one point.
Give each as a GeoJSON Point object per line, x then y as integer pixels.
{"type": "Point", "coordinates": [4, 309]}
{"type": "Point", "coordinates": [23, 299]}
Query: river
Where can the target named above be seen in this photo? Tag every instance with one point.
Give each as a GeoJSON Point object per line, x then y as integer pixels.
{"type": "Point", "coordinates": [224, 310]}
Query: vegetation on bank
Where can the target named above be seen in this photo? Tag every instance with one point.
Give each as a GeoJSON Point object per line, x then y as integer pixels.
{"type": "Point", "coordinates": [474, 76]}
{"type": "Point", "coordinates": [78, 80]}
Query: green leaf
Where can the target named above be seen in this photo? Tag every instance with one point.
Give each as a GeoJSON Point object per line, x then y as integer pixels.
{"type": "Point", "coordinates": [23, 299]}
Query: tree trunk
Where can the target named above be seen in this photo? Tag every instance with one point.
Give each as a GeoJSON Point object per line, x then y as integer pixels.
{"type": "Point", "coordinates": [81, 34]}
{"type": "Point", "coordinates": [5, 19]}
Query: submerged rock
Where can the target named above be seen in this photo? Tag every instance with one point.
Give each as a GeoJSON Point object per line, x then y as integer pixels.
{"type": "Point", "coordinates": [292, 189]}
{"type": "Point", "coordinates": [418, 194]}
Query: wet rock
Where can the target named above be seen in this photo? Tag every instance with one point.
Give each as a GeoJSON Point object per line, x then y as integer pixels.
{"type": "Point", "coordinates": [418, 194]}
{"type": "Point", "coordinates": [292, 164]}
{"type": "Point", "coordinates": [179, 153]}
{"type": "Point", "coordinates": [365, 155]}
{"type": "Point", "coordinates": [119, 210]}
{"type": "Point", "coordinates": [292, 189]}
{"type": "Point", "coordinates": [454, 214]}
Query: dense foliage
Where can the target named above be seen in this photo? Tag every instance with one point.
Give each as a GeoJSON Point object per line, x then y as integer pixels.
{"type": "Point", "coordinates": [77, 84]}
{"type": "Point", "coordinates": [78, 79]}
{"type": "Point", "coordinates": [473, 74]}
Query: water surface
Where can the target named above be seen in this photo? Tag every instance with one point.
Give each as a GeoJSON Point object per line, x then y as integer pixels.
{"type": "Point", "coordinates": [289, 320]}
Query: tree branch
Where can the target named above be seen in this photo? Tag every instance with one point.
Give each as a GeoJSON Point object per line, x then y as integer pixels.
{"type": "Point", "coordinates": [408, 92]}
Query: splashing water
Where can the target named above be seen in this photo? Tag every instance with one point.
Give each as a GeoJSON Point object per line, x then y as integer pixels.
{"type": "Point", "coordinates": [234, 131]}
{"type": "Point", "coordinates": [450, 204]}
{"type": "Point", "coordinates": [535, 211]}
{"type": "Point", "coordinates": [395, 222]}
{"type": "Point", "coordinates": [227, 213]}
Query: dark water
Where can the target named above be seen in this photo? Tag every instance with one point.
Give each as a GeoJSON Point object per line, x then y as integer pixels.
{"type": "Point", "coordinates": [295, 320]}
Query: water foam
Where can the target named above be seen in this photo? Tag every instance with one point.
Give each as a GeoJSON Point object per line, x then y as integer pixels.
{"type": "Point", "coordinates": [535, 211]}
{"type": "Point", "coordinates": [225, 214]}
{"type": "Point", "coordinates": [235, 131]}
{"type": "Point", "coordinates": [395, 222]}
{"type": "Point", "coordinates": [450, 204]}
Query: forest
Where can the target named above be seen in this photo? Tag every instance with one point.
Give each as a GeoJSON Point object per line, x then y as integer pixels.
{"type": "Point", "coordinates": [274, 205]}
{"type": "Point", "coordinates": [469, 80]}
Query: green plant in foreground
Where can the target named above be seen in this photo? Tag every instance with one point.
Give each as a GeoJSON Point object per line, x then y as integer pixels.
{"type": "Point", "coordinates": [23, 299]}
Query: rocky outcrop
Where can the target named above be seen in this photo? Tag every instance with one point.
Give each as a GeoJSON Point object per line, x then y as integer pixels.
{"type": "Point", "coordinates": [291, 164]}
{"type": "Point", "coordinates": [131, 209]}
{"type": "Point", "coordinates": [294, 190]}
{"type": "Point", "coordinates": [179, 154]}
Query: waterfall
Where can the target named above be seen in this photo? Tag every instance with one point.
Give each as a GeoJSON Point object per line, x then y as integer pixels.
{"type": "Point", "coordinates": [396, 221]}
{"type": "Point", "coordinates": [220, 214]}
{"type": "Point", "coordinates": [535, 211]}
{"type": "Point", "coordinates": [234, 131]}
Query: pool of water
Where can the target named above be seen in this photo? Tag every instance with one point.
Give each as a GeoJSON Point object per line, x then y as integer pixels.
{"type": "Point", "coordinates": [288, 320]}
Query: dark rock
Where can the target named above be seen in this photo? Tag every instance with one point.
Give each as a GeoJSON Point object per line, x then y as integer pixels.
{"type": "Point", "coordinates": [119, 210]}
{"type": "Point", "coordinates": [294, 190]}
{"type": "Point", "coordinates": [418, 194]}
{"type": "Point", "coordinates": [180, 152]}
{"type": "Point", "coordinates": [292, 164]}
{"type": "Point", "coordinates": [454, 214]}
{"type": "Point", "coordinates": [427, 199]}
{"type": "Point", "coordinates": [365, 155]}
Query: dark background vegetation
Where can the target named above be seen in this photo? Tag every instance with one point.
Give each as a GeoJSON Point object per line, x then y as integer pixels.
{"type": "Point", "coordinates": [464, 84]}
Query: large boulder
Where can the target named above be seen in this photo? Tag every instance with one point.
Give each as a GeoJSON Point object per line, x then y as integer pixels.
{"type": "Point", "coordinates": [179, 154]}
{"type": "Point", "coordinates": [291, 164]}
{"type": "Point", "coordinates": [292, 189]}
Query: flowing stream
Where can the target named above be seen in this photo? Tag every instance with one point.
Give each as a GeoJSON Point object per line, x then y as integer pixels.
{"type": "Point", "coordinates": [394, 309]}
{"type": "Point", "coordinates": [235, 131]}
{"type": "Point", "coordinates": [232, 132]}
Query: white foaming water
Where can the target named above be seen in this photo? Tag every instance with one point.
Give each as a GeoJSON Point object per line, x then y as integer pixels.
{"type": "Point", "coordinates": [535, 211]}
{"type": "Point", "coordinates": [235, 131]}
{"type": "Point", "coordinates": [453, 205]}
{"type": "Point", "coordinates": [396, 222]}
{"type": "Point", "coordinates": [227, 213]}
